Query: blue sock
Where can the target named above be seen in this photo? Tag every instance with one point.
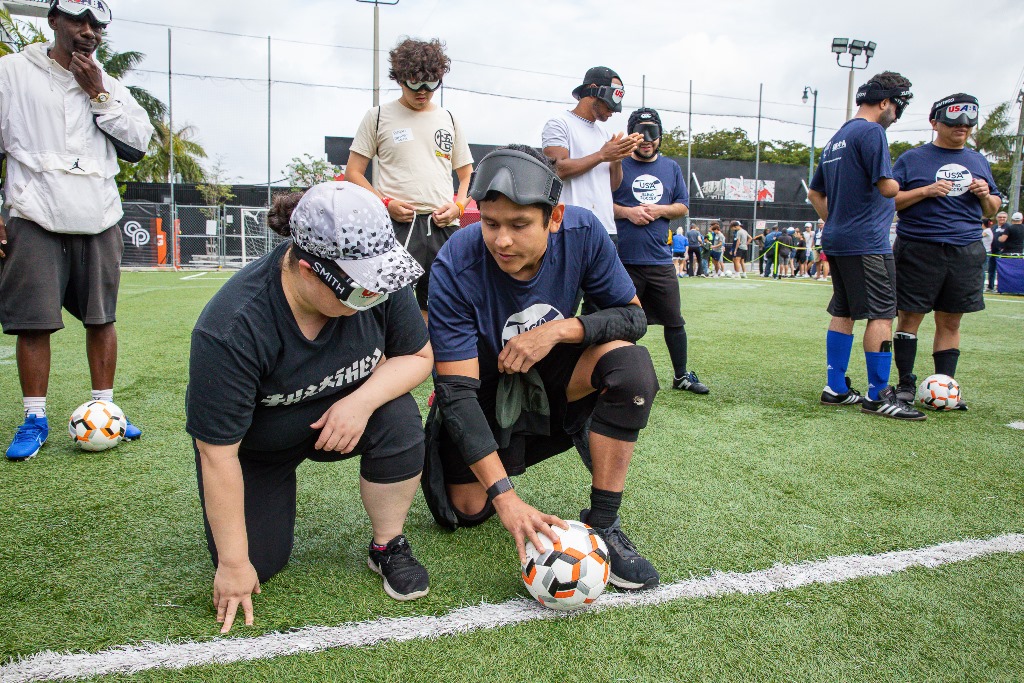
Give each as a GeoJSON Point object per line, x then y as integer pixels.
{"type": "Point", "coordinates": [837, 353]}
{"type": "Point", "coordinates": [878, 371]}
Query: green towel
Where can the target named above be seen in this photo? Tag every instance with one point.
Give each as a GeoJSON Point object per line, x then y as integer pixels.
{"type": "Point", "coordinates": [519, 393]}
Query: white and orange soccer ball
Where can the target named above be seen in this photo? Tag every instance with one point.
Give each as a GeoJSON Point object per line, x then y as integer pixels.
{"type": "Point", "coordinates": [97, 425]}
{"type": "Point", "coordinates": [939, 392]}
{"type": "Point", "coordinates": [570, 574]}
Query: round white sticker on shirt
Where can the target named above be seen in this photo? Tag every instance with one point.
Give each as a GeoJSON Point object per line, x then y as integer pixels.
{"type": "Point", "coordinates": [525, 320]}
{"type": "Point", "coordinates": [648, 189]}
{"type": "Point", "coordinates": [956, 174]}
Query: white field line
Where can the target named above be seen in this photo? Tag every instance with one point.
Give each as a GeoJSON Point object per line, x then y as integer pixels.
{"type": "Point", "coordinates": [193, 276]}
{"type": "Point", "coordinates": [1016, 425]}
{"type": "Point", "coordinates": [134, 658]}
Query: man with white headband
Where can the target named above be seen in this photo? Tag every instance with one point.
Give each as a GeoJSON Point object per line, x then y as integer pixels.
{"type": "Point", "coordinates": [945, 191]}
{"type": "Point", "coordinates": [64, 123]}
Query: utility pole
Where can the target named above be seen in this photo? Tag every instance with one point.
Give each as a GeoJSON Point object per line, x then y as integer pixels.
{"type": "Point", "coordinates": [1017, 157]}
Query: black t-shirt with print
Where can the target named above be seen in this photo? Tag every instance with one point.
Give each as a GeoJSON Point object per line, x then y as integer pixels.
{"type": "Point", "coordinates": [1014, 243]}
{"type": "Point", "coordinates": [255, 378]}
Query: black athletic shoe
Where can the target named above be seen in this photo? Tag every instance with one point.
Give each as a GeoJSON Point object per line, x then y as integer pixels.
{"type": "Point", "coordinates": [852, 397]}
{"type": "Point", "coordinates": [629, 569]}
{"type": "Point", "coordinates": [961, 405]}
{"type": "Point", "coordinates": [889, 405]}
{"type": "Point", "coordinates": [404, 577]}
{"type": "Point", "coordinates": [689, 382]}
{"type": "Point", "coordinates": [906, 390]}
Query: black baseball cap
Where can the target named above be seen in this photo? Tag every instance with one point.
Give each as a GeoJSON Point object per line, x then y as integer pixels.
{"type": "Point", "coordinates": [596, 75]}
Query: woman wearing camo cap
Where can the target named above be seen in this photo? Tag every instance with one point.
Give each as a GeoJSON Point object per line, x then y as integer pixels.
{"type": "Point", "coordinates": [309, 354]}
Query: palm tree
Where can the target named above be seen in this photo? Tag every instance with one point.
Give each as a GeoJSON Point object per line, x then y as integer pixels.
{"type": "Point", "coordinates": [21, 34]}
{"type": "Point", "coordinates": [155, 166]}
{"type": "Point", "coordinates": [118, 65]}
{"type": "Point", "coordinates": [994, 137]}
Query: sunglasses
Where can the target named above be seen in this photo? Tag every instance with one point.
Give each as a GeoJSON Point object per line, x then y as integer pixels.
{"type": "Point", "coordinates": [418, 86]}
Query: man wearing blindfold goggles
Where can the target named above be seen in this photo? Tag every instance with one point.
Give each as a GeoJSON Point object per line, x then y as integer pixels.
{"type": "Point", "coordinates": [853, 190]}
{"type": "Point", "coordinates": [945, 191]}
{"type": "Point", "coordinates": [417, 145]}
{"type": "Point", "coordinates": [587, 158]}
{"type": "Point", "coordinates": [652, 193]}
{"type": "Point", "coordinates": [520, 375]}
{"type": "Point", "coordinates": [64, 124]}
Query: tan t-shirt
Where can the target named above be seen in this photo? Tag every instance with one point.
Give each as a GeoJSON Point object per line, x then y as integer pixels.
{"type": "Point", "coordinates": [417, 152]}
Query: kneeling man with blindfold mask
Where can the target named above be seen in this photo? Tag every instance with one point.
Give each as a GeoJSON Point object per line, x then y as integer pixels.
{"type": "Point", "coordinates": [520, 377]}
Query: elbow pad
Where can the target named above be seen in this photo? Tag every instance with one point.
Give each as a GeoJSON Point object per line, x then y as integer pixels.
{"type": "Point", "coordinates": [623, 323]}
{"type": "Point", "coordinates": [461, 414]}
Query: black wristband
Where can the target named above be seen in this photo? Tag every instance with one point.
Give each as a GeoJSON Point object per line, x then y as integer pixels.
{"type": "Point", "coordinates": [499, 487]}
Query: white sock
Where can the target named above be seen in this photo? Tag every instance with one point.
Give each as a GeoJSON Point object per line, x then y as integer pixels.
{"type": "Point", "coordinates": [34, 405]}
{"type": "Point", "coordinates": [103, 395]}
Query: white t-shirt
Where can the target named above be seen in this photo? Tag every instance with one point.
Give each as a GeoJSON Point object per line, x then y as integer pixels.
{"type": "Point", "coordinates": [417, 152]}
{"type": "Point", "coordinates": [986, 239]}
{"type": "Point", "coordinates": [593, 189]}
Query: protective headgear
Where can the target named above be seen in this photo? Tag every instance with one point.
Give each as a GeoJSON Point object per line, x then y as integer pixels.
{"type": "Point", "coordinates": [598, 83]}
{"type": "Point", "coordinates": [99, 9]}
{"type": "Point", "coordinates": [517, 175]}
{"type": "Point", "coordinates": [872, 92]}
{"type": "Point", "coordinates": [645, 120]}
{"type": "Point", "coordinates": [956, 110]}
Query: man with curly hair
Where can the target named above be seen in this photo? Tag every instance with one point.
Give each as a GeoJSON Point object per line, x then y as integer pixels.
{"type": "Point", "coordinates": [417, 145]}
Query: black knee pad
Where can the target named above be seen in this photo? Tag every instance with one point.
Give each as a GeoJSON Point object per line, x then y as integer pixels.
{"type": "Point", "coordinates": [477, 519]}
{"type": "Point", "coordinates": [626, 383]}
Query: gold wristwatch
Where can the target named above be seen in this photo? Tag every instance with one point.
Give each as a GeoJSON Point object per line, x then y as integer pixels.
{"type": "Point", "coordinates": [102, 98]}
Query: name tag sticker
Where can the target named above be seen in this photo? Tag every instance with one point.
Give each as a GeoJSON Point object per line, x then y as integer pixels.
{"type": "Point", "coordinates": [402, 135]}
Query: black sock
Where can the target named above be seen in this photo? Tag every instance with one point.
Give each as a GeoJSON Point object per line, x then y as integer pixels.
{"type": "Point", "coordinates": [675, 340]}
{"type": "Point", "coordinates": [904, 351]}
{"type": "Point", "coordinates": [604, 507]}
{"type": "Point", "coordinates": [945, 361]}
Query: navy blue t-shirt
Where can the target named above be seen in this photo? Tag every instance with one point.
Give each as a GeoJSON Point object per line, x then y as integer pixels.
{"type": "Point", "coordinates": [648, 182]}
{"type": "Point", "coordinates": [955, 218]}
{"type": "Point", "coordinates": [859, 216]}
{"type": "Point", "coordinates": [475, 308]}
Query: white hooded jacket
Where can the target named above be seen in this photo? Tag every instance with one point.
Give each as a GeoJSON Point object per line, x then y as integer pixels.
{"type": "Point", "coordinates": [62, 148]}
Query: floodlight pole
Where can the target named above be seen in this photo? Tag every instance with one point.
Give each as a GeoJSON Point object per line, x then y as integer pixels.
{"type": "Point", "coordinates": [808, 90]}
{"type": "Point", "coordinates": [855, 48]}
{"type": "Point", "coordinates": [1017, 158]}
{"type": "Point", "coordinates": [376, 45]}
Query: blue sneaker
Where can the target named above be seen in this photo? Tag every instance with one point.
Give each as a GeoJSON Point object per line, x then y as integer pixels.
{"type": "Point", "coordinates": [131, 432]}
{"type": "Point", "coordinates": [29, 438]}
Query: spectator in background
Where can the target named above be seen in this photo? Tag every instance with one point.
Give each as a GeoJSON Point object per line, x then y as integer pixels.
{"type": "Point", "coordinates": [770, 257]}
{"type": "Point", "coordinates": [740, 249]}
{"type": "Point", "coordinates": [718, 249]}
{"type": "Point", "coordinates": [986, 240]}
{"type": "Point", "coordinates": [679, 252]}
{"type": "Point", "coordinates": [808, 253]}
{"type": "Point", "coordinates": [1012, 239]}
{"type": "Point", "coordinates": [997, 231]}
{"type": "Point", "coordinates": [694, 244]}
{"type": "Point", "coordinates": [821, 260]}
{"type": "Point", "coordinates": [417, 144]}
{"type": "Point", "coordinates": [64, 124]}
{"type": "Point", "coordinates": [705, 252]}
{"type": "Point", "coordinates": [785, 254]}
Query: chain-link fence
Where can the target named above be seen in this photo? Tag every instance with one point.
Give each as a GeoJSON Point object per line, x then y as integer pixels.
{"type": "Point", "coordinates": [197, 237]}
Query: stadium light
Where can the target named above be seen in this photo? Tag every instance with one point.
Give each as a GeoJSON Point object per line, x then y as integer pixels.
{"type": "Point", "coordinates": [855, 48]}
{"type": "Point", "coordinates": [814, 124]}
{"type": "Point", "coordinates": [376, 45]}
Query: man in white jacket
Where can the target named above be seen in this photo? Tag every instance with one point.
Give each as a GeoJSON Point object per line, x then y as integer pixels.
{"type": "Point", "coordinates": [63, 125]}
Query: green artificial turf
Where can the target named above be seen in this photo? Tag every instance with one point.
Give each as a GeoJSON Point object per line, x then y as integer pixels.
{"type": "Point", "coordinates": [106, 549]}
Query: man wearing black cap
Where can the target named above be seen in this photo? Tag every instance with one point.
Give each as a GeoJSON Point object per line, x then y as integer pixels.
{"type": "Point", "coordinates": [945, 191]}
{"type": "Point", "coordinates": [853, 191]}
{"type": "Point", "coordinates": [587, 158]}
{"type": "Point", "coordinates": [652, 193]}
{"type": "Point", "coordinates": [520, 377]}
{"type": "Point", "coordinates": [64, 124]}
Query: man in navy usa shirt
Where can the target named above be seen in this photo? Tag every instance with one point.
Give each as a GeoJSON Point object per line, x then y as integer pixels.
{"type": "Point", "coordinates": [853, 190]}
{"type": "Point", "coordinates": [945, 191]}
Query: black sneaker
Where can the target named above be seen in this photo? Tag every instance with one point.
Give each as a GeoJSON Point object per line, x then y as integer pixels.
{"type": "Point", "coordinates": [689, 382]}
{"type": "Point", "coordinates": [852, 397]}
{"type": "Point", "coordinates": [960, 405]}
{"type": "Point", "coordinates": [404, 577]}
{"type": "Point", "coordinates": [906, 390]}
{"type": "Point", "coordinates": [629, 569]}
{"type": "Point", "coordinates": [889, 405]}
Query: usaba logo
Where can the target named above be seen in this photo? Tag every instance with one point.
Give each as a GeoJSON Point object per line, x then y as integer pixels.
{"type": "Point", "coordinates": [956, 174]}
{"type": "Point", "coordinates": [648, 189]}
{"type": "Point", "coordinates": [525, 320]}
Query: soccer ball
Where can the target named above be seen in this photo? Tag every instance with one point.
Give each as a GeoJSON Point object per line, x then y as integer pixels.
{"type": "Point", "coordinates": [939, 392]}
{"type": "Point", "coordinates": [97, 425]}
{"type": "Point", "coordinates": [571, 574]}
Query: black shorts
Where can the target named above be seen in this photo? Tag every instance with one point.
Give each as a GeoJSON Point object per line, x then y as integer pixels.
{"type": "Point", "coordinates": [740, 252]}
{"type": "Point", "coordinates": [391, 450]}
{"type": "Point", "coordinates": [863, 287]}
{"type": "Point", "coordinates": [526, 450]}
{"type": "Point", "coordinates": [45, 271]}
{"type": "Point", "coordinates": [939, 277]}
{"type": "Point", "coordinates": [679, 254]}
{"type": "Point", "coordinates": [658, 290]}
{"type": "Point", "coordinates": [423, 238]}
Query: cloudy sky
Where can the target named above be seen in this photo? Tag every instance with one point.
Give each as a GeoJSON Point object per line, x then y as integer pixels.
{"type": "Point", "coordinates": [515, 63]}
